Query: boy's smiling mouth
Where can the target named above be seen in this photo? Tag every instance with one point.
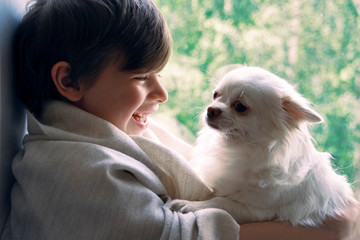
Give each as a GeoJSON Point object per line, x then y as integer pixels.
{"type": "Point", "coordinates": [140, 117]}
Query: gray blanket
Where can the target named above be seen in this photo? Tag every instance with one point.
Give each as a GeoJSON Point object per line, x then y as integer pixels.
{"type": "Point", "coordinates": [80, 177]}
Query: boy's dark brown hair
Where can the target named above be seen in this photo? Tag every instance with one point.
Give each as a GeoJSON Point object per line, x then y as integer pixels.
{"type": "Point", "coordinates": [87, 34]}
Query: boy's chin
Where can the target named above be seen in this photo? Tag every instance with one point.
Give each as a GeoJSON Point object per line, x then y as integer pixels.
{"type": "Point", "coordinates": [136, 128]}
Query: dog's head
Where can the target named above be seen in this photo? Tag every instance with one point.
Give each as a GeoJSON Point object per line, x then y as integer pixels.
{"type": "Point", "coordinates": [253, 104]}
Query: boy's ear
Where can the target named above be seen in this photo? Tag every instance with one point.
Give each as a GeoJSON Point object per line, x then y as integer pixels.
{"type": "Point", "coordinates": [60, 74]}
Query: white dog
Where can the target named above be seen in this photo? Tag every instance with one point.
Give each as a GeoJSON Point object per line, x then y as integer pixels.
{"type": "Point", "coordinates": [257, 154]}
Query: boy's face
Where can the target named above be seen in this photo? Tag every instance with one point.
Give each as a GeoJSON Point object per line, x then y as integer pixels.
{"type": "Point", "coordinates": [124, 98]}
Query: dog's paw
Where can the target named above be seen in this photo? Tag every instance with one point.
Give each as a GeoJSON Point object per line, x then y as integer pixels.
{"type": "Point", "coordinates": [185, 206]}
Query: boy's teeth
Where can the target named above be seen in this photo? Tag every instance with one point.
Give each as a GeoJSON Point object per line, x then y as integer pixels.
{"type": "Point", "coordinates": [139, 117]}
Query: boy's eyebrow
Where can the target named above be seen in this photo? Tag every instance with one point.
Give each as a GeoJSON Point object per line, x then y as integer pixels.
{"type": "Point", "coordinates": [144, 71]}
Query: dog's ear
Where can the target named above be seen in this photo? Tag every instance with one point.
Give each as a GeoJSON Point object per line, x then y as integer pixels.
{"type": "Point", "coordinates": [297, 112]}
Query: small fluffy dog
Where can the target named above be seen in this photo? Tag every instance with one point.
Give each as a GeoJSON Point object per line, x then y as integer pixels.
{"type": "Point", "coordinates": [257, 154]}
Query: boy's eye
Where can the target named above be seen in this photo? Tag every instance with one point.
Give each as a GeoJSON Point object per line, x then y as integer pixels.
{"type": "Point", "coordinates": [146, 77]}
{"type": "Point", "coordinates": [142, 78]}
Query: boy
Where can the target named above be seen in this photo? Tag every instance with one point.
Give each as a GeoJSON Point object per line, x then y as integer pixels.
{"type": "Point", "coordinates": [88, 73]}
{"type": "Point", "coordinates": [93, 167]}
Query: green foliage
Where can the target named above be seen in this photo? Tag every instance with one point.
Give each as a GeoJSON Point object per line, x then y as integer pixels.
{"type": "Point", "coordinates": [314, 44]}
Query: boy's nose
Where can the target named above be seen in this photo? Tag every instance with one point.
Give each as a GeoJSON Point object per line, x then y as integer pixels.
{"type": "Point", "coordinates": [159, 92]}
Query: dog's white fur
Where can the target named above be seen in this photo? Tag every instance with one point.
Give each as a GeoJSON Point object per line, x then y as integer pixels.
{"type": "Point", "coordinates": [260, 159]}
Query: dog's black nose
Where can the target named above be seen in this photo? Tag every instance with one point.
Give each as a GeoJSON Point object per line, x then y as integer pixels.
{"type": "Point", "coordinates": [213, 112]}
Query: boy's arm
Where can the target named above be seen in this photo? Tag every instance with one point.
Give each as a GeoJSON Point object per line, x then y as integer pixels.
{"type": "Point", "coordinates": [92, 192]}
{"type": "Point", "coordinates": [342, 227]}
{"type": "Point", "coordinates": [283, 231]}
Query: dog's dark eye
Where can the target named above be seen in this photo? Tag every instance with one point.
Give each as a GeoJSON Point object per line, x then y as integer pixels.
{"type": "Point", "coordinates": [239, 107]}
{"type": "Point", "coordinates": [215, 95]}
